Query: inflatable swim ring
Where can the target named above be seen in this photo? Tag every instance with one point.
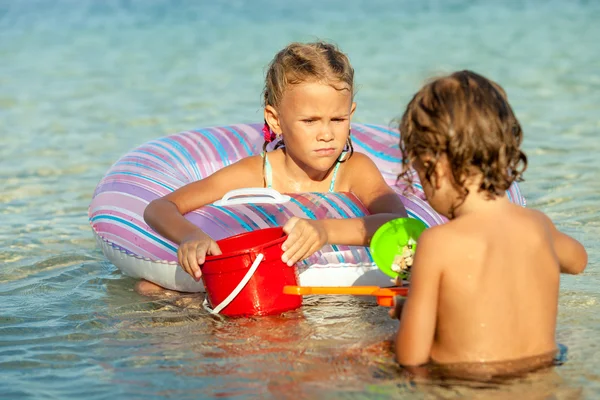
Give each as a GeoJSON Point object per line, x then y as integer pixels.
{"type": "Point", "coordinates": [165, 164]}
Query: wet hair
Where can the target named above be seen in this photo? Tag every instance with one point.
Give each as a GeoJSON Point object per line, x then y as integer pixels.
{"type": "Point", "coordinates": [467, 118]}
{"type": "Point", "coordinates": [307, 62]}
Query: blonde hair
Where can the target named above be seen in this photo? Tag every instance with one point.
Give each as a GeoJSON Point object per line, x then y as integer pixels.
{"type": "Point", "coordinates": [306, 62]}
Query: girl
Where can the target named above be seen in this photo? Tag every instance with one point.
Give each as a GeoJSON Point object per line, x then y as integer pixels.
{"type": "Point", "coordinates": [308, 97]}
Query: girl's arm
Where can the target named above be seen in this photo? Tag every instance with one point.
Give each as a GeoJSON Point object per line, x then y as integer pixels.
{"type": "Point", "coordinates": [165, 215]}
{"type": "Point", "coordinates": [419, 313]}
{"type": "Point", "coordinates": [367, 183]}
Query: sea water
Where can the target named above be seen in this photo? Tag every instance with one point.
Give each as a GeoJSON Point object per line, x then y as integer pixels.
{"type": "Point", "coordinates": [84, 81]}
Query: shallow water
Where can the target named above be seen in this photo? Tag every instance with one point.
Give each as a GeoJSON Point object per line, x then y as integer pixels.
{"type": "Point", "coordinates": [82, 82]}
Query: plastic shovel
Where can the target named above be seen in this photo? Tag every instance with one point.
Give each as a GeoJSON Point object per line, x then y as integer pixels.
{"type": "Point", "coordinates": [385, 296]}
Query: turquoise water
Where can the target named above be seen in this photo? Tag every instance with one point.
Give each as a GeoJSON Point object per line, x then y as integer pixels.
{"type": "Point", "coordinates": [82, 82]}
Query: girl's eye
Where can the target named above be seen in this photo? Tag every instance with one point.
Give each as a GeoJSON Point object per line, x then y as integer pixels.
{"type": "Point", "coordinates": [339, 119]}
{"type": "Point", "coordinates": [308, 121]}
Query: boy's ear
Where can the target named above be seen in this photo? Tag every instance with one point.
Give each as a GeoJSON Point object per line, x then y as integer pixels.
{"type": "Point", "coordinates": [440, 171]}
{"type": "Point", "coordinates": [272, 119]}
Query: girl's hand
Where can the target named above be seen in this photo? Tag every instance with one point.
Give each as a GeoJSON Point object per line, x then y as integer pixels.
{"type": "Point", "coordinates": [192, 253]}
{"type": "Point", "coordinates": [305, 236]}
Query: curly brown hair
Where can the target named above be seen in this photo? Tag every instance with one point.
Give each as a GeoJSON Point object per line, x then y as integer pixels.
{"type": "Point", "coordinates": [467, 118]}
{"type": "Point", "coordinates": [307, 62]}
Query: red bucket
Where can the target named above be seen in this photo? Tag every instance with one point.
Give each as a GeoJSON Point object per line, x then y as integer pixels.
{"type": "Point", "coordinates": [263, 292]}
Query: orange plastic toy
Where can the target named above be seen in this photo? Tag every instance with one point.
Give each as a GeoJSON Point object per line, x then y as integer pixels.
{"type": "Point", "coordinates": [385, 296]}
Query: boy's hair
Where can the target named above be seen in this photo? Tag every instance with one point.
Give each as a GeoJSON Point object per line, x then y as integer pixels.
{"type": "Point", "coordinates": [468, 118]}
{"type": "Point", "coordinates": [307, 62]}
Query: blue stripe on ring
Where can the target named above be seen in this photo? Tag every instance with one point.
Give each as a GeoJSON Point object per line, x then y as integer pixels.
{"type": "Point", "coordinates": [384, 130]}
{"type": "Point", "coordinates": [240, 139]}
{"type": "Point", "coordinates": [342, 213]}
{"type": "Point", "coordinates": [243, 223]}
{"type": "Point", "coordinates": [337, 253]}
{"type": "Point", "coordinates": [206, 213]}
{"type": "Point", "coordinates": [184, 152]}
{"type": "Point", "coordinates": [157, 143]}
{"type": "Point", "coordinates": [332, 203]}
{"type": "Point", "coordinates": [146, 167]}
{"type": "Point", "coordinates": [137, 228]}
{"type": "Point", "coordinates": [306, 210]}
{"type": "Point", "coordinates": [140, 176]}
{"type": "Point", "coordinates": [352, 205]}
{"type": "Point", "coordinates": [379, 154]}
{"type": "Point", "coordinates": [162, 160]}
{"type": "Point", "coordinates": [217, 144]}
{"type": "Point", "coordinates": [264, 214]}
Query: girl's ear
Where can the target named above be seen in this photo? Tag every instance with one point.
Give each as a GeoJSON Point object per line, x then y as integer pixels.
{"type": "Point", "coordinates": [352, 109]}
{"type": "Point", "coordinates": [272, 119]}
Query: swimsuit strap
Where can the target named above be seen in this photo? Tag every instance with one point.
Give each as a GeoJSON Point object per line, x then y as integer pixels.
{"type": "Point", "coordinates": [335, 170]}
{"type": "Point", "coordinates": [268, 171]}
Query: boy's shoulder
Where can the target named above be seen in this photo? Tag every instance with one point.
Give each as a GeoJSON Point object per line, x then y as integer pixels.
{"type": "Point", "coordinates": [444, 233]}
{"type": "Point", "coordinates": [450, 240]}
{"type": "Point", "coordinates": [438, 241]}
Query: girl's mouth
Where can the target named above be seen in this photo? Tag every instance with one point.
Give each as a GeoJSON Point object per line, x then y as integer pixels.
{"type": "Point", "coordinates": [325, 152]}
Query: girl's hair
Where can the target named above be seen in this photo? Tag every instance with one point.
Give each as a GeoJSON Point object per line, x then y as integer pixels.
{"type": "Point", "coordinates": [307, 62]}
{"type": "Point", "coordinates": [467, 118]}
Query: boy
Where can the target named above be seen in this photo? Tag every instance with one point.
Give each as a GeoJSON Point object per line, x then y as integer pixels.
{"type": "Point", "coordinates": [484, 287]}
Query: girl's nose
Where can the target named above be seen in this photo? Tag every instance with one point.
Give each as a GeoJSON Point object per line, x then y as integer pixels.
{"type": "Point", "coordinates": [326, 133]}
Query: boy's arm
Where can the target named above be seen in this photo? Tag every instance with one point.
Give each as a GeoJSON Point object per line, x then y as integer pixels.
{"type": "Point", "coordinates": [571, 254]}
{"type": "Point", "coordinates": [419, 314]}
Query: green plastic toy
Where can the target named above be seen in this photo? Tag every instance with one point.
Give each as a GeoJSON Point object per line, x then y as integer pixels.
{"type": "Point", "coordinates": [389, 240]}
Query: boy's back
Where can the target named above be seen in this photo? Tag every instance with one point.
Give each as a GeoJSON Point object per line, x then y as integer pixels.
{"type": "Point", "coordinates": [498, 293]}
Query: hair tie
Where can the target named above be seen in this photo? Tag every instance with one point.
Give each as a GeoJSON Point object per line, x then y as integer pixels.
{"type": "Point", "coordinates": [267, 134]}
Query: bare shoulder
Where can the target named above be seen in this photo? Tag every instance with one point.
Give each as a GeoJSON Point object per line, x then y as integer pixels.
{"type": "Point", "coordinates": [533, 220]}
{"type": "Point", "coordinates": [541, 218]}
{"type": "Point", "coordinates": [243, 173]}
{"type": "Point", "coordinates": [361, 160]}
{"type": "Point", "coordinates": [357, 168]}
{"type": "Point", "coordinates": [255, 161]}
{"type": "Point", "coordinates": [441, 234]}
{"type": "Point", "coordinates": [437, 243]}
{"type": "Point", "coordinates": [244, 168]}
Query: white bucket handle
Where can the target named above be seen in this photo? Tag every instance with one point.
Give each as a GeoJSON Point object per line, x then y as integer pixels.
{"type": "Point", "coordinates": [237, 289]}
{"type": "Point", "coordinates": [252, 195]}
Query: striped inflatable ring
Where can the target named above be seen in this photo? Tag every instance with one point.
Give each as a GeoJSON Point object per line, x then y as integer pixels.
{"type": "Point", "coordinates": [165, 164]}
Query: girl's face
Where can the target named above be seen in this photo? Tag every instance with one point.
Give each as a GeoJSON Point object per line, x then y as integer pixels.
{"type": "Point", "coordinates": [314, 119]}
